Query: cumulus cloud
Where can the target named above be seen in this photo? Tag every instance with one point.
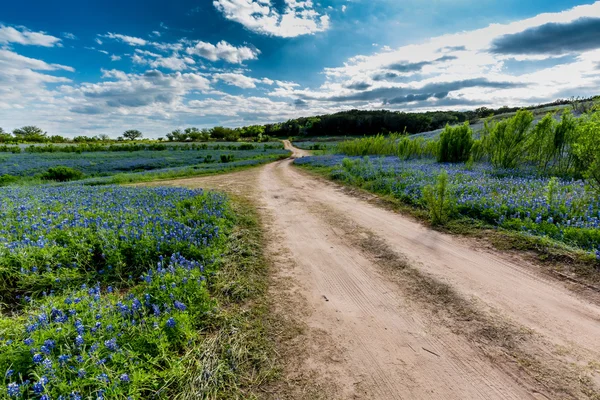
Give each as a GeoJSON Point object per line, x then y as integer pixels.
{"type": "Point", "coordinates": [139, 90]}
{"type": "Point", "coordinates": [23, 36]}
{"type": "Point", "coordinates": [130, 40]}
{"type": "Point", "coordinates": [402, 94]}
{"type": "Point", "coordinates": [173, 62]}
{"type": "Point", "coordinates": [235, 79]}
{"type": "Point", "coordinates": [552, 38]}
{"type": "Point", "coordinates": [9, 58]}
{"type": "Point", "coordinates": [223, 51]}
{"type": "Point", "coordinates": [297, 17]}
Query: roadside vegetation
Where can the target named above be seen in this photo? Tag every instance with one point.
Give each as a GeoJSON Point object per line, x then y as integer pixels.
{"type": "Point", "coordinates": [540, 180]}
{"type": "Point", "coordinates": [129, 293]}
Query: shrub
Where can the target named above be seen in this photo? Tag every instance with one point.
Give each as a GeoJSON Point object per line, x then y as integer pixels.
{"type": "Point", "coordinates": [507, 139]}
{"type": "Point", "coordinates": [226, 158]}
{"type": "Point", "coordinates": [62, 174]}
{"type": "Point", "coordinates": [455, 144]}
{"type": "Point", "coordinates": [438, 200]}
{"type": "Point", "coordinates": [8, 179]}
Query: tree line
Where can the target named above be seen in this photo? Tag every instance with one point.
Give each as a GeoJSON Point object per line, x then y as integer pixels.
{"type": "Point", "coordinates": [353, 122]}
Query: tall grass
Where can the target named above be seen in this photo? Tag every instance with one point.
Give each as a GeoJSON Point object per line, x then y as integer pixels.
{"type": "Point", "coordinates": [393, 145]}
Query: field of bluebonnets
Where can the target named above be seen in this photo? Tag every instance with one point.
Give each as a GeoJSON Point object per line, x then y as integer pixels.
{"type": "Point", "coordinates": [33, 161]}
{"type": "Point", "coordinates": [539, 179]}
{"type": "Point", "coordinates": [106, 290]}
{"type": "Point", "coordinates": [103, 288]}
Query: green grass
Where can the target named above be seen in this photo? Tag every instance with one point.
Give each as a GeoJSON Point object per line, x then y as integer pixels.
{"type": "Point", "coordinates": [556, 255]}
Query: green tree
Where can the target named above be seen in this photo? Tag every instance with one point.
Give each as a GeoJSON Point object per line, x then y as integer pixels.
{"type": "Point", "coordinates": [30, 134]}
{"type": "Point", "coordinates": [5, 137]}
{"type": "Point", "coordinates": [455, 143]}
{"type": "Point", "coordinates": [587, 148]}
{"type": "Point", "coordinates": [132, 134]}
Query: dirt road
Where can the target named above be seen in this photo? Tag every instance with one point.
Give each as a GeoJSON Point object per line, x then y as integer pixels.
{"type": "Point", "coordinates": [393, 310]}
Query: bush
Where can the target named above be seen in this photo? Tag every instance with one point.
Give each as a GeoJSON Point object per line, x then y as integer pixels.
{"type": "Point", "coordinates": [8, 179]}
{"type": "Point", "coordinates": [62, 174]}
{"type": "Point", "coordinates": [226, 158]}
{"type": "Point", "coordinates": [455, 144]}
{"type": "Point", "coordinates": [438, 200]}
{"type": "Point", "coordinates": [507, 139]}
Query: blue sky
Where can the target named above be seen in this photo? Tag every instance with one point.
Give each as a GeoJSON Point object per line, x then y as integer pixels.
{"type": "Point", "coordinates": [95, 67]}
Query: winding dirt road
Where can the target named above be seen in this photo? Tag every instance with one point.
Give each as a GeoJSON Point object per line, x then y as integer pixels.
{"type": "Point", "coordinates": [394, 310]}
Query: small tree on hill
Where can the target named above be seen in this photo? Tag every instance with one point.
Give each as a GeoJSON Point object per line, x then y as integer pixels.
{"type": "Point", "coordinates": [132, 134]}
{"type": "Point", "coordinates": [30, 134]}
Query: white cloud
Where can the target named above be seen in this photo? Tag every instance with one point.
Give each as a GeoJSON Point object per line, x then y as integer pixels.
{"type": "Point", "coordinates": [22, 35]}
{"type": "Point", "coordinates": [223, 51]}
{"type": "Point", "coordinates": [115, 57]}
{"type": "Point", "coordinates": [174, 62]}
{"type": "Point", "coordinates": [344, 7]}
{"type": "Point", "coordinates": [130, 40]}
{"type": "Point", "coordinates": [462, 64]}
{"type": "Point", "coordinates": [235, 79]}
{"type": "Point", "coordinates": [97, 40]}
{"type": "Point", "coordinates": [13, 59]}
{"type": "Point", "coordinates": [149, 90]}
{"type": "Point", "coordinates": [298, 17]}
{"type": "Point", "coordinates": [68, 35]}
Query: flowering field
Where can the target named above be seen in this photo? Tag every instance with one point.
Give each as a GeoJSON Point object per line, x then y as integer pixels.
{"type": "Point", "coordinates": [104, 288]}
{"type": "Point", "coordinates": [514, 199]}
{"type": "Point", "coordinates": [111, 162]}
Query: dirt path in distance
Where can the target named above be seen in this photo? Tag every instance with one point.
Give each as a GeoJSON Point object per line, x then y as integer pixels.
{"type": "Point", "coordinates": [392, 310]}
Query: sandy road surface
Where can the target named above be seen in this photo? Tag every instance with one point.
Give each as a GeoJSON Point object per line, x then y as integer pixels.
{"type": "Point", "coordinates": [368, 339]}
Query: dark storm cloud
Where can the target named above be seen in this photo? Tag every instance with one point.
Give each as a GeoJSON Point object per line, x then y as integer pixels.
{"type": "Point", "coordinates": [410, 98]}
{"type": "Point", "coordinates": [299, 103]}
{"type": "Point", "coordinates": [385, 76]}
{"type": "Point", "coordinates": [553, 38]}
{"type": "Point", "coordinates": [415, 67]}
{"type": "Point", "coordinates": [453, 48]}
{"type": "Point", "coordinates": [359, 86]}
{"type": "Point", "coordinates": [417, 97]}
{"type": "Point", "coordinates": [438, 89]}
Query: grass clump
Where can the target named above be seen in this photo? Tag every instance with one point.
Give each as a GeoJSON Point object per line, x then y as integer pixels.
{"type": "Point", "coordinates": [439, 200]}
{"type": "Point", "coordinates": [62, 174]}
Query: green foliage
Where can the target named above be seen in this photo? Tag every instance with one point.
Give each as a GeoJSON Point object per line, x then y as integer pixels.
{"type": "Point", "coordinates": [438, 200]}
{"type": "Point", "coordinates": [62, 174]}
{"type": "Point", "coordinates": [132, 134]}
{"type": "Point", "coordinates": [31, 134]}
{"type": "Point", "coordinates": [587, 148]}
{"type": "Point", "coordinates": [392, 145]}
{"type": "Point", "coordinates": [552, 190]}
{"type": "Point", "coordinates": [507, 139]}
{"type": "Point", "coordinates": [455, 144]}
{"type": "Point", "coordinates": [227, 158]}
{"type": "Point", "coordinates": [8, 179]}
